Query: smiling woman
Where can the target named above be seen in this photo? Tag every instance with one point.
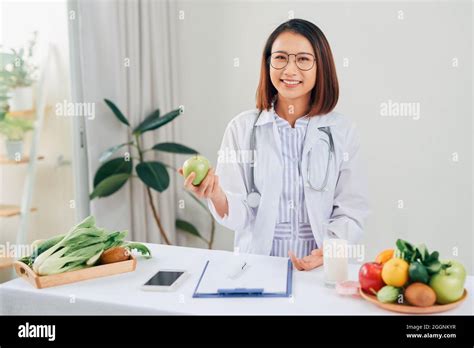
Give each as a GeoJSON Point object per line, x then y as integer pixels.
{"type": "Point", "coordinates": [297, 61]}
{"type": "Point", "coordinates": [299, 191]}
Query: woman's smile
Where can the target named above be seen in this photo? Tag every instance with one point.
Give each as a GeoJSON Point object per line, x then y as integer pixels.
{"type": "Point", "coordinates": [291, 83]}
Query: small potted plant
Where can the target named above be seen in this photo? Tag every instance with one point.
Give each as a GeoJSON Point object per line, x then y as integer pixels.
{"type": "Point", "coordinates": [7, 80]}
{"type": "Point", "coordinates": [20, 70]}
{"type": "Point", "coordinates": [14, 129]}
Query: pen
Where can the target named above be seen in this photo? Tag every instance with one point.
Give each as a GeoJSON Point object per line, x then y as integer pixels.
{"type": "Point", "coordinates": [239, 271]}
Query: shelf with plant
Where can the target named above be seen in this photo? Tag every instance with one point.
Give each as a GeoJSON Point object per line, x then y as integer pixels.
{"type": "Point", "coordinates": [14, 130]}
{"type": "Point", "coordinates": [18, 73]}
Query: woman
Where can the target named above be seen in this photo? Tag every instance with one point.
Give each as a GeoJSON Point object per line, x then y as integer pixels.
{"type": "Point", "coordinates": [307, 176]}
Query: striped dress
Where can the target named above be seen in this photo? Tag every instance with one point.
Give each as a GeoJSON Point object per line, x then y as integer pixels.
{"type": "Point", "coordinates": [292, 229]}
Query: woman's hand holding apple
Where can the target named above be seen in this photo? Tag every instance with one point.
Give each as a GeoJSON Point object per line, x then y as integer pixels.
{"type": "Point", "coordinates": [207, 184]}
{"type": "Point", "coordinates": [208, 188]}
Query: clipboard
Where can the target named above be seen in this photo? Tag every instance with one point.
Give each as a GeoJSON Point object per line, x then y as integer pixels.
{"type": "Point", "coordinates": [245, 291]}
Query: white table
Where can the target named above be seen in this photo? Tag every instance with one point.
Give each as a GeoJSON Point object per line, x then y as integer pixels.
{"type": "Point", "coordinates": [120, 294]}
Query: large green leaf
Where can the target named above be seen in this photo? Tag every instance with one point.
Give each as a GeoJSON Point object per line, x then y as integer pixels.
{"type": "Point", "coordinates": [155, 115]}
{"type": "Point", "coordinates": [117, 112]}
{"type": "Point", "coordinates": [188, 227]}
{"type": "Point", "coordinates": [153, 174]}
{"type": "Point", "coordinates": [109, 185]}
{"type": "Point", "coordinates": [111, 150]}
{"type": "Point", "coordinates": [154, 121]}
{"type": "Point", "coordinates": [114, 166]}
{"type": "Point", "coordinates": [174, 148]}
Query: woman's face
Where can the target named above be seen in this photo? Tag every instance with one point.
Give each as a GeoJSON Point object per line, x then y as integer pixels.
{"type": "Point", "coordinates": [293, 43]}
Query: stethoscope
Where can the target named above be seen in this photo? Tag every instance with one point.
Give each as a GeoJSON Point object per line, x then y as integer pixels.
{"type": "Point", "coordinates": [254, 197]}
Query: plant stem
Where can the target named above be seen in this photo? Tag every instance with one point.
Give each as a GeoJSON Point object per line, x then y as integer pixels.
{"type": "Point", "coordinates": [213, 229]}
{"type": "Point", "coordinates": [140, 153]}
{"type": "Point", "coordinates": [157, 218]}
{"type": "Point", "coordinates": [150, 198]}
{"type": "Point", "coordinates": [213, 224]}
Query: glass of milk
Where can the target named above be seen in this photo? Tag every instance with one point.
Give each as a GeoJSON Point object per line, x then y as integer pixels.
{"type": "Point", "coordinates": [335, 258]}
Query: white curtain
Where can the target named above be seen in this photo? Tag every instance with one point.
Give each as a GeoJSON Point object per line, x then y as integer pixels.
{"type": "Point", "coordinates": [125, 49]}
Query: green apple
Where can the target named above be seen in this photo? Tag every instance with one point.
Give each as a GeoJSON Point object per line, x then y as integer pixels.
{"type": "Point", "coordinates": [448, 283]}
{"type": "Point", "coordinates": [455, 268]}
{"type": "Point", "coordinates": [199, 165]}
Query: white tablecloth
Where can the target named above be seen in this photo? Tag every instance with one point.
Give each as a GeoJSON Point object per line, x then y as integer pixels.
{"type": "Point", "coordinates": [121, 294]}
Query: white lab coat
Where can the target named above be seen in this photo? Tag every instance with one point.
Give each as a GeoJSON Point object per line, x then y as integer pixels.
{"type": "Point", "coordinates": [343, 207]}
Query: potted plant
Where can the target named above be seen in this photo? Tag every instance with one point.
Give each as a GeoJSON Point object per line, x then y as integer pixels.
{"type": "Point", "coordinates": [7, 80]}
{"type": "Point", "coordinates": [114, 173]}
{"type": "Point", "coordinates": [14, 129]}
{"type": "Point", "coordinates": [3, 102]}
{"type": "Point", "coordinates": [17, 74]}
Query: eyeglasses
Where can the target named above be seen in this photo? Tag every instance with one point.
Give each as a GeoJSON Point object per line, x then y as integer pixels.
{"type": "Point", "coordinates": [304, 61]}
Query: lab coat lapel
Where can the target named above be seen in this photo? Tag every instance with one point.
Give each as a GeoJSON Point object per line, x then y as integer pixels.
{"type": "Point", "coordinates": [269, 145]}
{"type": "Point", "coordinates": [313, 199]}
{"type": "Point", "coordinates": [267, 130]}
{"type": "Point", "coordinates": [314, 135]}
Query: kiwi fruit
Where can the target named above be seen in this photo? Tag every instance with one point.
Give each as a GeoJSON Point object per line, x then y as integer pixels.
{"type": "Point", "coordinates": [420, 295]}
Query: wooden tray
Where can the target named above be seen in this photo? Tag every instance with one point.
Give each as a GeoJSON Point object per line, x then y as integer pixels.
{"type": "Point", "coordinates": [41, 282]}
{"type": "Point", "coordinates": [408, 309]}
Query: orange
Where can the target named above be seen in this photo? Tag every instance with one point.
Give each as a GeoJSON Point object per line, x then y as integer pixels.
{"type": "Point", "coordinates": [384, 256]}
{"type": "Point", "coordinates": [395, 272]}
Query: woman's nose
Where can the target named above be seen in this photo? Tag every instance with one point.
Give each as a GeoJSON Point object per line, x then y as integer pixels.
{"type": "Point", "coordinates": [291, 67]}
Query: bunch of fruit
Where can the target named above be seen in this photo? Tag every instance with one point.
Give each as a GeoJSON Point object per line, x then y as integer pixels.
{"type": "Point", "coordinates": [410, 274]}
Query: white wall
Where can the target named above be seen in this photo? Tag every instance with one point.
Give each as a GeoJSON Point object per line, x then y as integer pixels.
{"type": "Point", "coordinates": [403, 60]}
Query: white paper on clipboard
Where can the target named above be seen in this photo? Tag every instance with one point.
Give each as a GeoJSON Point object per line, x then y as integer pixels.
{"type": "Point", "coordinates": [269, 273]}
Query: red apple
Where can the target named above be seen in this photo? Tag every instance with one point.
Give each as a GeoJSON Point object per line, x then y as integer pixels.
{"type": "Point", "coordinates": [370, 277]}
